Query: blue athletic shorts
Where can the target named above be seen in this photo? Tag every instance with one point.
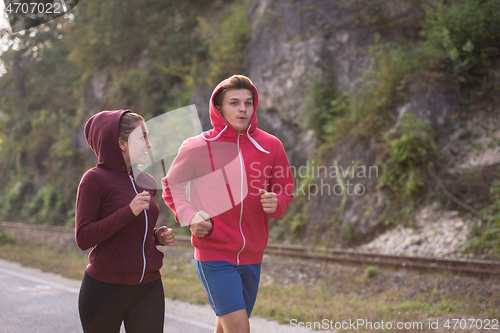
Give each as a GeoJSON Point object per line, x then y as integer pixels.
{"type": "Point", "coordinates": [229, 287]}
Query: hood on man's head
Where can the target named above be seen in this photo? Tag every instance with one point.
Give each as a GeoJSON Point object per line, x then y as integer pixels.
{"type": "Point", "coordinates": [216, 118]}
{"type": "Point", "coordinates": [101, 133]}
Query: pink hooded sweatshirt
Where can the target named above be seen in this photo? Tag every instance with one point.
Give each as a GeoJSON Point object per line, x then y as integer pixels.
{"type": "Point", "coordinates": [223, 170]}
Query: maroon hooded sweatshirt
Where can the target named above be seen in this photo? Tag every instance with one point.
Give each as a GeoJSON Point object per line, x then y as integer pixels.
{"type": "Point", "coordinates": [123, 245]}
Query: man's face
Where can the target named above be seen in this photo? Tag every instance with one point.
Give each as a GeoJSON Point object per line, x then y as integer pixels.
{"type": "Point", "coordinates": [237, 108]}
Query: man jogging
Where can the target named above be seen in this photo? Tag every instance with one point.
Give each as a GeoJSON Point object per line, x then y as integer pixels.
{"type": "Point", "coordinates": [238, 177]}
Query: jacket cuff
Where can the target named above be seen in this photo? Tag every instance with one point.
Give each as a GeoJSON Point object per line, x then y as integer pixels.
{"type": "Point", "coordinates": [280, 212]}
{"type": "Point", "coordinates": [155, 235]}
{"type": "Point", "coordinates": [186, 215]}
{"type": "Point", "coordinates": [276, 215]}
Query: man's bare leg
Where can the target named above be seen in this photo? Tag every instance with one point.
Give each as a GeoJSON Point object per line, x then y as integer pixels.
{"type": "Point", "coordinates": [218, 326]}
{"type": "Point", "coordinates": [234, 322]}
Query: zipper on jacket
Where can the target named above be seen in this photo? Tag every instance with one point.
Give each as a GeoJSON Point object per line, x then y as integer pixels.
{"type": "Point", "coordinates": [241, 198]}
{"type": "Point", "coordinates": [145, 235]}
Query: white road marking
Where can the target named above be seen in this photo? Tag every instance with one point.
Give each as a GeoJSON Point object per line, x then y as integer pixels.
{"type": "Point", "coordinates": [35, 288]}
{"type": "Point", "coordinates": [40, 281]}
{"type": "Point", "coordinates": [47, 285]}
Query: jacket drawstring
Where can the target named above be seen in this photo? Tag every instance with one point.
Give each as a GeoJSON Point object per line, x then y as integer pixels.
{"type": "Point", "coordinates": [255, 143]}
{"type": "Point", "coordinates": [145, 234]}
{"type": "Point", "coordinates": [215, 138]}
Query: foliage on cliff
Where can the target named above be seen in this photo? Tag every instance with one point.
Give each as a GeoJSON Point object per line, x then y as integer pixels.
{"type": "Point", "coordinates": [151, 55]}
{"type": "Point", "coordinates": [460, 42]}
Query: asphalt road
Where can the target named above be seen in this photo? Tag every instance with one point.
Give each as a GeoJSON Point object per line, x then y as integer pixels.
{"type": "Point", "coordinates": [33, 305]}
{"type": "Point", "coordinates": [32, 301]}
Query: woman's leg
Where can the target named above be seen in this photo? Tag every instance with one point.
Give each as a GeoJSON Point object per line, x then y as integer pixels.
{"type": "Point", "coordinates": [147, 312]}
{"type": "Point", "coordinates": [100, 306]}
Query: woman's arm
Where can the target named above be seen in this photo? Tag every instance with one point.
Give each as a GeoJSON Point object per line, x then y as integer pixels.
{"type": "Point", "coordinates": [89, 231]}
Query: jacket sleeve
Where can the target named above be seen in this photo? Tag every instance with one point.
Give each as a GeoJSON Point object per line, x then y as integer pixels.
{"type": "Point", "coordinates": [281, 183]}
{"type": "Point", "coordinates": [155, 236]}
{"type": "Point", "coordinates": [89, 230]}
{"type": "Point", "coordinates": [182, 170]}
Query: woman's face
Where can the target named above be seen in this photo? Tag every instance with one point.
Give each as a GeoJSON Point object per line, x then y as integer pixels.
{"type": "Point", "coordinates": [136, 149]}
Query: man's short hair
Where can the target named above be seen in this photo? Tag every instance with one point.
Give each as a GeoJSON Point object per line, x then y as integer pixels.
{"type": "Point", "coordinates": [235, 82]}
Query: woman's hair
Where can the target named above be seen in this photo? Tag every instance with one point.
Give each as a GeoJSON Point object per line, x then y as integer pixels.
{"type": "Point", "coordinates": [234, 82]}
{"type": "Point", "coordinates": [128, 122]}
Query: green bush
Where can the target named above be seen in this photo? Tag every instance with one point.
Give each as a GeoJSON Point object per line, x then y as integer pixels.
{"type": "Point", "coordinates": [46, 206]}
{"type": "Point", "coordinates": [6, 239]}
{"type": "Point", "coordinates": [488, 241]}
{"type": "Point", "coordinates": [464, 35]}
{"type": "Point", "coordinates": [411, 151]}
{"type": "Point", "coordinates": [324, 106]}
{"type": "Point", "coordinates": [13, 199]}
{"type": "Point", "coordinates": [383, 85]}
{"type": "Point", "coordinates": [332, 113]}
{"type": "Point", "coordinates": [226, 40]}
{"type": "Point", "coordinates": [371, 271]}
{"type": "Point", "coordinates": [292, 225]}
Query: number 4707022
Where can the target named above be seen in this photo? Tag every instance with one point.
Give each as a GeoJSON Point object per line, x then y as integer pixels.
{"type": "Point", "coordinates": [485, 324]}
{"type": "Point", "coordinates": [34, 8]}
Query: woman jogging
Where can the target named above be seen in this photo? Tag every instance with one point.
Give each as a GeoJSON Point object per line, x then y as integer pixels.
{"type": "Point", "coordinates": [239, 177]}
{"type": "Point", "coordinates": [116, 217]}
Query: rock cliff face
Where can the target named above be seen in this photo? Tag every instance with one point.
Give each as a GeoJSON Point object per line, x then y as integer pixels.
{"type": "Point", "coordinates": [293, 41]}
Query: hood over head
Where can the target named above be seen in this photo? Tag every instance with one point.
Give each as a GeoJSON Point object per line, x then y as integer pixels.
{"type": "Point", "coordinates": [219, 122]}
{"type": "Point", "coordinates": [222, 126]}
{"type": "Point", "coordinates": [101, 133]}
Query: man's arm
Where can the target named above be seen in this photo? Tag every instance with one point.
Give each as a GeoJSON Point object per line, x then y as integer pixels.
{"type": "Point", "coordinates": [281, 183]}
{"type": "Point", "coordinates": [174, 185]}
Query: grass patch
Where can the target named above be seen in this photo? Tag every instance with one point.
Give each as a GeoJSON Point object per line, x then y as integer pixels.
{"type": "Point", "coordinates": [65, 261]}
{"type": "Point", "coordinates": [6, 238]}
{"type": "Point", "coordinates": [314, 304]}
{"type": "Point", "coordinates": [180, 279]}
{"type": "Point", "coordinates": [418, 307]}
{"type": "Point", "coordinates": [343, 293]}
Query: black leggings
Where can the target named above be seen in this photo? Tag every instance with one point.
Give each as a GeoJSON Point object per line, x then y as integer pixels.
{"type": "Point", "coordinates": [104, 306]}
